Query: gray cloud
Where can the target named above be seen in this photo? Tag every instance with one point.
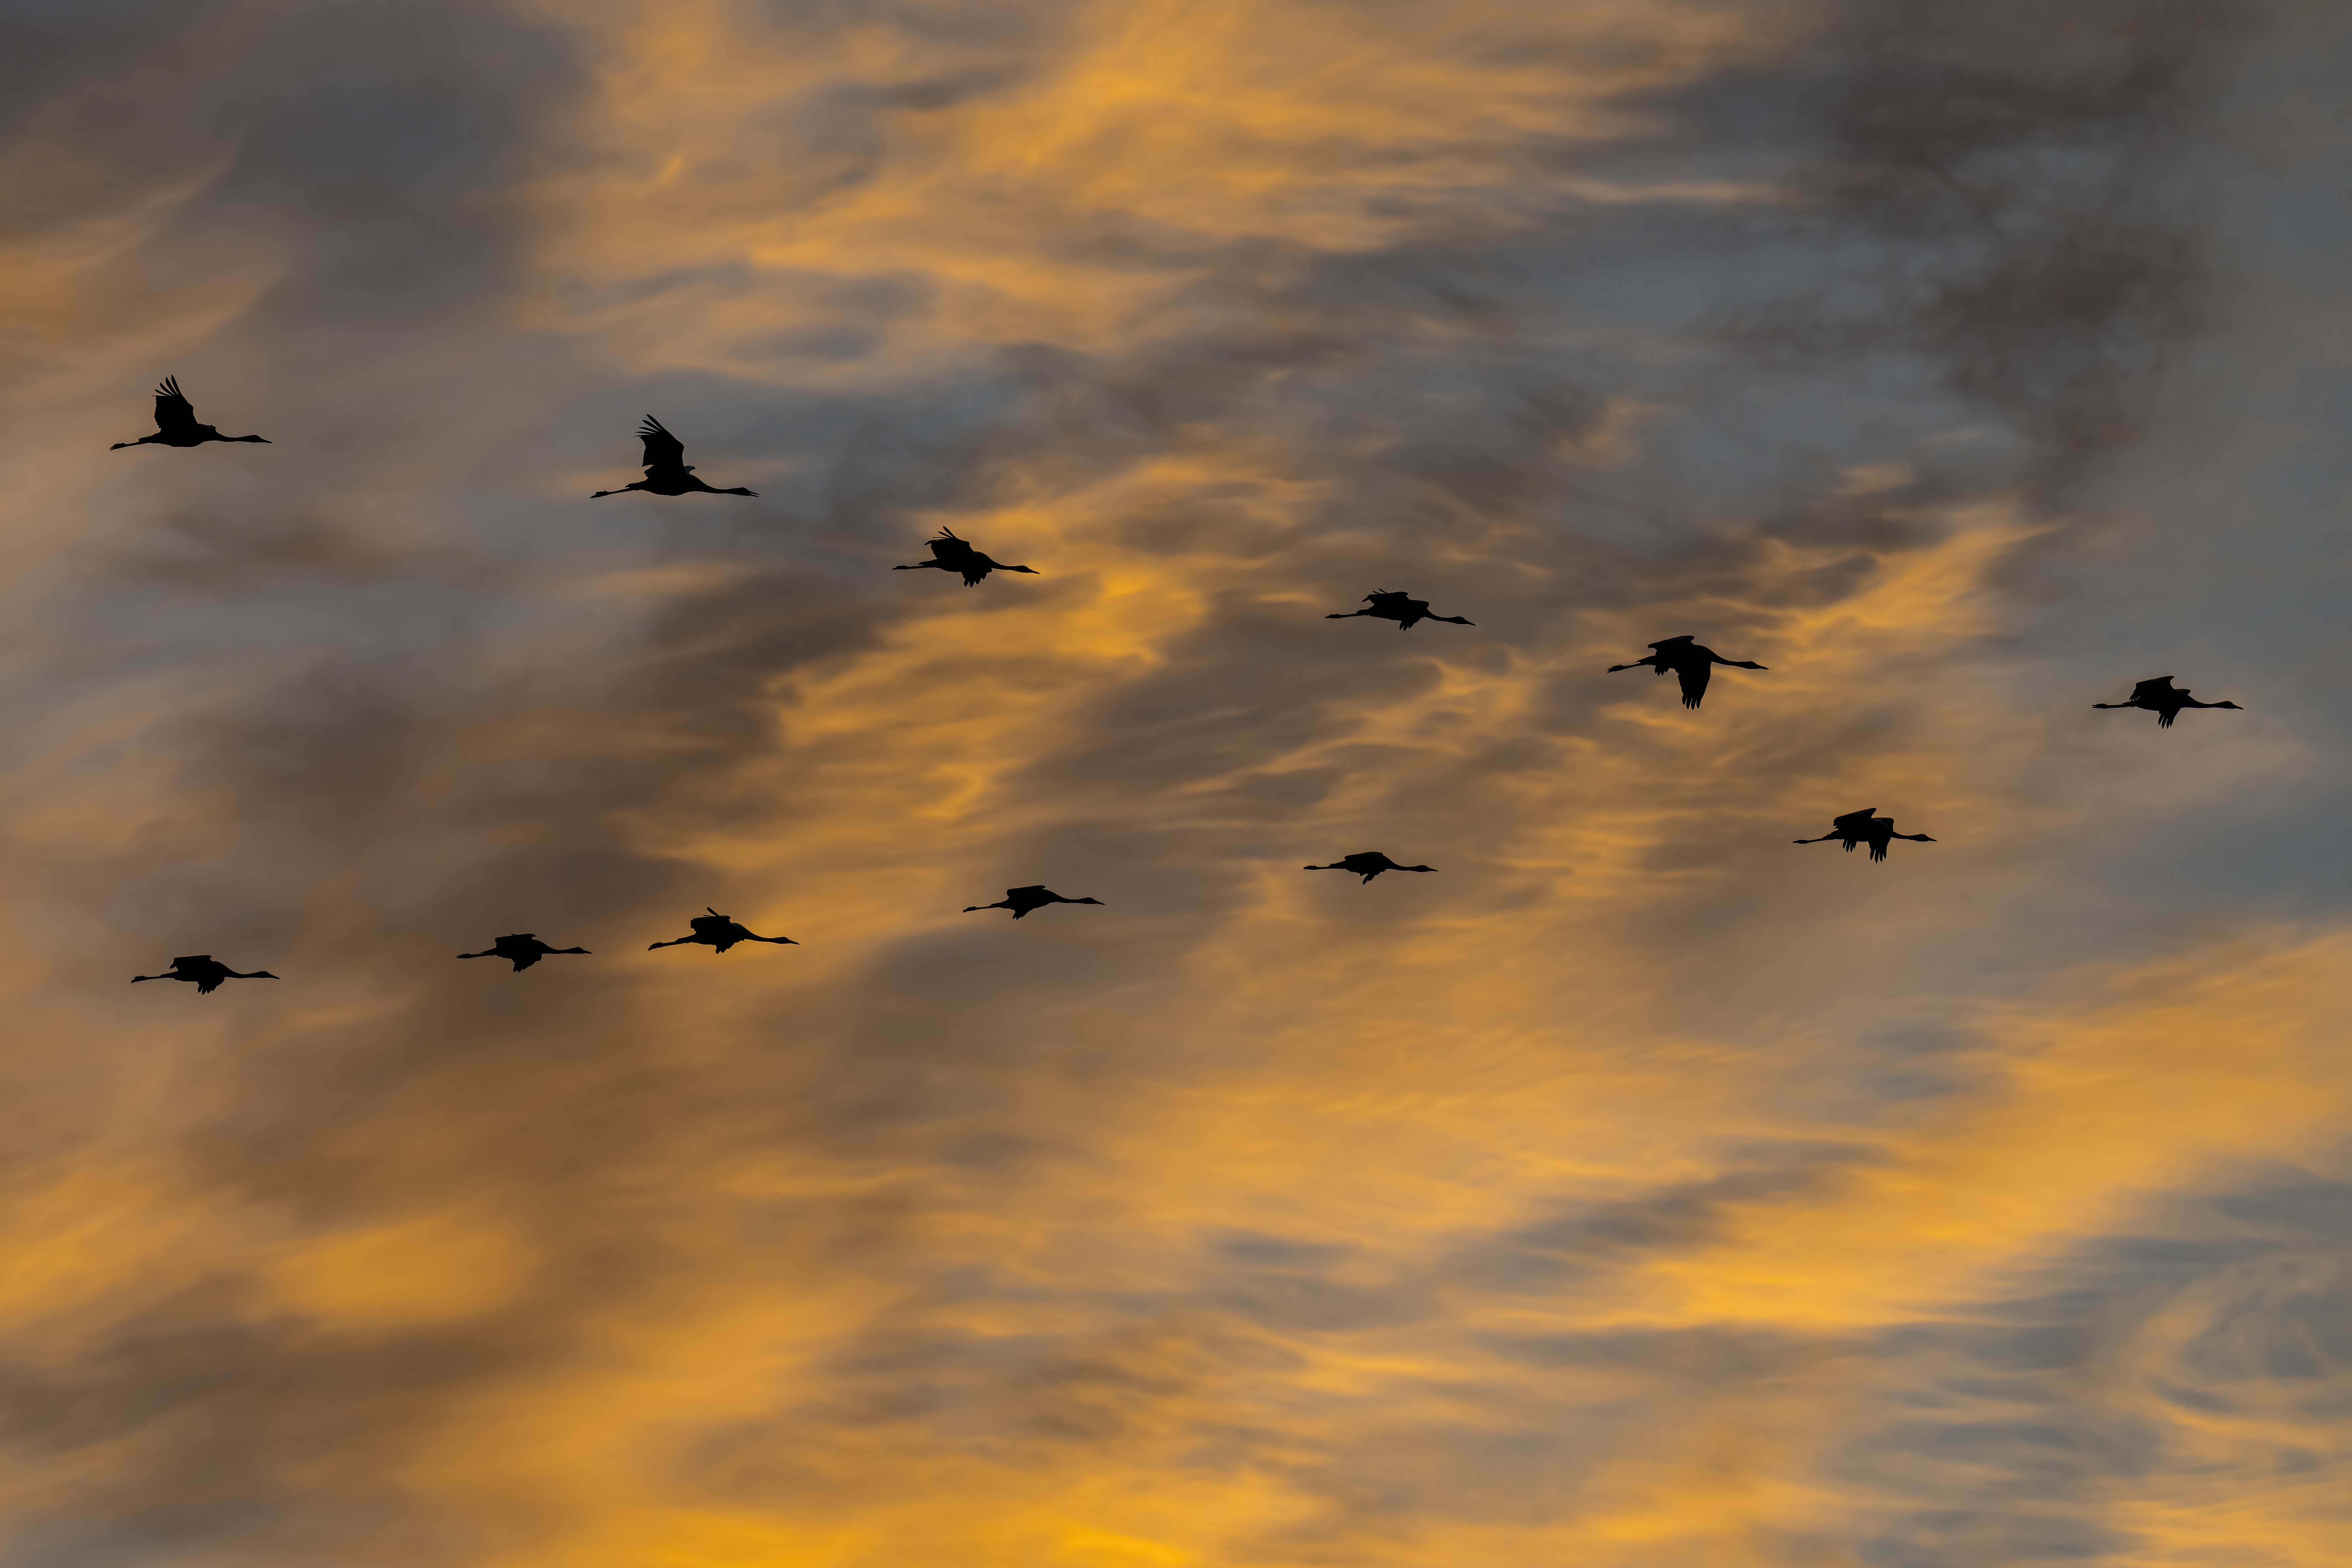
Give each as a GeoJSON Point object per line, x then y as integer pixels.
{"type": "Point", "coordinates": [2006, 1429]}
{"type": "Point", "coordinates": [392, 686]}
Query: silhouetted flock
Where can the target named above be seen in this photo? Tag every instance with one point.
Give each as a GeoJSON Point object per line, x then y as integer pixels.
{"type": "Point", "coordinates": [667, 473]}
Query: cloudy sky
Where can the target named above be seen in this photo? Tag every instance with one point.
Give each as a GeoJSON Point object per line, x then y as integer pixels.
{"type": "Point", "coordinates": [1638, 1192]}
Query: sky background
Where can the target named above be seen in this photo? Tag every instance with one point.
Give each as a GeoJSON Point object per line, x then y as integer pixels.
{"type": "Point", "coordinates": [1639, 1192]}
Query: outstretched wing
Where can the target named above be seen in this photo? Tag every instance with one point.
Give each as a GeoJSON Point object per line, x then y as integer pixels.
{"type": "Point", "coordinates": [173, 412]}
{"type": "Point", "coordinates": [1694, 677]}
{"type": "Point", "coordinates": [1673, 642]}
{"type": "Point", "coordinates": [948, 548]}
{"type": "Point", "coordinates": [2160, 688]}
{"type": "Point", "coordinates": [663, 450]}
{"type": "Point", "coordinates": [1855, 821]}
{"type": "Point", "coordinates": [1394, 599]}
{"type": "Point", "coordinates": [1032, 888]}
{"type": "Point", "coordinates": [709, 925]}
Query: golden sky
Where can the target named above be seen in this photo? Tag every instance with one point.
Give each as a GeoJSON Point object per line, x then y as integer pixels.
{"type": "Point", "coordinates": [1638, 1192]}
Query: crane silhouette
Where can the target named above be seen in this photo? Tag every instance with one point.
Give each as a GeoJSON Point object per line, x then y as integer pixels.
{"type": "Point", "coordinates": [2164, 699]}
{"type": "Point", "coordinates": [1691, 664]}
{"type": "Point", "coordinates": [1860, 828]}
{"type": "Point", "coordinates": [1367, 864]}
{"type": "Point", "coordinates": [667, 473]}
{"type": "Point", "coordinates": [176, 426]}
{"type": "Point", "coordinates": [522, 947]}
{"type": "Point", "coordinates": [717, 931]}
{"type": "Point", "coordinates": [949, 553]}
{"type": "Point", "coordinates": [1405, 611]}
{"type": "Point", "coordinates": [206, 970]}
{"type": "Point", "coordinates": [1021, 900]}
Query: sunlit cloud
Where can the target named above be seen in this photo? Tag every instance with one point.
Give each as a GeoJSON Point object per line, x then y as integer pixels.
{"type": "Point", "coordinates": [1638, 1190]}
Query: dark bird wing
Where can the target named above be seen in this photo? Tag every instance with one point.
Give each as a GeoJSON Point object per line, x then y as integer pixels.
{"type": "Point", "coordinates": [1694, 677]}
{"type": "Point", "coordinates": [958, 555]}
{"type": "Point", "coordinates": [173, 412]}
{"type": "Point", "coordinates": [1672, 643]}
{"type": "Point", "coordinates": [2158, 689]}
{"type": "Point", "coordinates": [1855, 821]}
{"type": "Point", "coordinates": [662, 448]}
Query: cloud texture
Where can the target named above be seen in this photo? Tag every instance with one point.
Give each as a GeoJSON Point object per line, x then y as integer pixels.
{"type": "Point", "coordinates": [1639, 1191]}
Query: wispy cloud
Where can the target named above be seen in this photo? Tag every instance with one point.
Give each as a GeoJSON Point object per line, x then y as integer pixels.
{"type": "Point", "coordinates": [1639, 1189]}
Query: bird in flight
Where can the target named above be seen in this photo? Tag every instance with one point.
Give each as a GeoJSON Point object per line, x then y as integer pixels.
{"type": "Point", "coordinates": [1860, 828]}
{"type": "Point", "coordinates": [949, 553]}
{"type": "Point", "coordinates": [176, 426]}
{"type": "Point", "coordinates": [1367, 864]}
{"type": "Point", "coordinates": [1691, 664]}
{"type": "Point", "coordinates": [1021, 900]}
{"type": "Point", "coordinates": [1405, 611]}
{"type": "Point", "coordinates": [667, 473]}
{"type": "Point", "coordinates": [2164, 699]}
{"type": "Point", "coordinates": [522, 947]}
{"type": "Point", "coordinates": [206, 971]}
{"type": "Point", "coordinates": [717, 931]}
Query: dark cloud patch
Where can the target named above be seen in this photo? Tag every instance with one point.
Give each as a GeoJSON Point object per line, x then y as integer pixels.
{"type": "Point", "coordinates": [349, 168]}
{"type": "Point", "coordinates": [1570, 1250]}
{"type": "Point", "coordinates": [420, 744]}
{"type": "Point", "coordinates": [223, 1413]}
{"type": "Point", "coordinates": [2005, 1426]}
{"type": "Point", "coordinates": [2001, 191]}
